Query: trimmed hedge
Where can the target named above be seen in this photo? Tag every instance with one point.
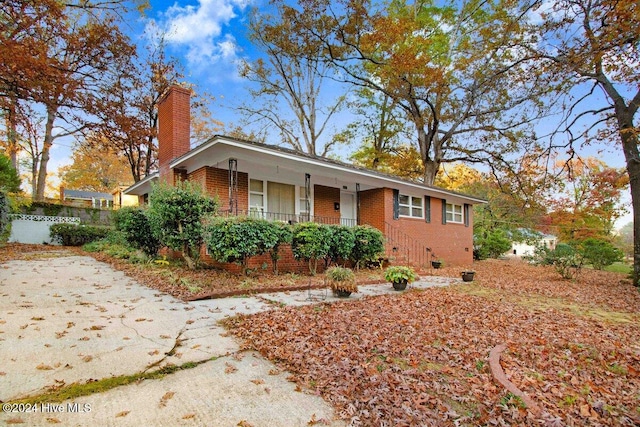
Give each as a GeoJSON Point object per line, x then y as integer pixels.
{"type": "Point", "coordinates": [311, 242]}
{"type": "Point", "coordinates": [135, 225]}
{"type": "Point", "coordinates": [4, 218]}
{"type": "Point", "coordinates": [76, 235]}
{"type": "Point", "coordinates": [236, 239]}
{"type": "Point", "coordinates": [341, 244]}
{"type": "Point", "coordinates": [369, 244]}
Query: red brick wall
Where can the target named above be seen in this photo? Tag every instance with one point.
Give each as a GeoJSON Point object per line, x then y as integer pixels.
{"type": "Point", "coordinates": [215, 182]}
{"type": "Point", "coordinates": [286, 264]}
{"type": "Point", "coordinates": [324, 199]}
{"type": "Point", "coordinates": [452, 243]}
{"type": "Point", "coordinates": [373, 209]}
{"type": "Point", "coordinates": [174, 127]}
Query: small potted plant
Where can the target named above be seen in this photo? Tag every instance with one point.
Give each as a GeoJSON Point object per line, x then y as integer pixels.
{"type": "Point", "coordinates": [399, 276]}
{"type": "Point", "coordinates": [467, 275]}
{"type": "Point", "coordinates": [342, 281]}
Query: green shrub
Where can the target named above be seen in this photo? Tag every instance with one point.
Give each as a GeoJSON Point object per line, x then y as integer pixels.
{"type": "Point", "coordinates": [400, 273]}
{"type": "Point", "coordinates": [311, 242]}
{"type": "Point", "coordinates": [175, 216]}
{"type": "Point", "coordinates": [493, 244]}
{"type": "Point", "coordinates": [599, 253]}
{"type": "Point", "coordinates": [368, 244]}
{"type": "Point", "coordinates": [76, 235]}
{"type": "Point", "coordinates": [135, 225]}
{"type": "Point", "coordinates": [116, 245]}
{"type": "Point", "coordinates": [340, 244]}
{"type": "Point", "coordinates": [4, 215]}
{"type": "Point", "coordinates": [566, 260]}
{"type": "Point", "coordinates": [541, 256]}
{"type": "Point", "coordinates": [236, 239]}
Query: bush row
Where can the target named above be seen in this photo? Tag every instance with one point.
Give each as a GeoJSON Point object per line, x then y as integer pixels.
{"type": "Point", "coordinates": [77, 235]}
{"type": "Point", "coordinates": [236, 239]}
{"type": "Point", "coordinates": [568, 258]}
{"type": "Point", "coordinates": [183, 218]}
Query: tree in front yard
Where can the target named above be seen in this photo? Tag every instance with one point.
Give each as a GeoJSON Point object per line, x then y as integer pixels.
{"type": "Point", "coordinates": [176, 214]}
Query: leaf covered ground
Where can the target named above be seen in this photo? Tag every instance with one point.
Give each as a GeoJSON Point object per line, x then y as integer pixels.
{"type": "Point", "coordinates": [421, 358]}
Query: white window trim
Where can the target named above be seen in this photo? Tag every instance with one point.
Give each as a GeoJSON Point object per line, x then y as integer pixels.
{"type": "Point", "coordinates": [263, 194]}
{"type": "Point", "coordinates": [300, 198]}
{"type": "Point", "coordinates": [453, 213]}
{"type": "Point", "coordinates": [411, 207]}
{"type": "Point", "coordinates": [299, 195]}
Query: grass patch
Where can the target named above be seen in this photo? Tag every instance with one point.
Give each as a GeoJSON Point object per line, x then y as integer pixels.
{"type": "Point", "coordinates": [76, 390]}
{"type": "Point", "coordinates": [619, 267]}
{"type": "Point", "coordinates": [539, 302]}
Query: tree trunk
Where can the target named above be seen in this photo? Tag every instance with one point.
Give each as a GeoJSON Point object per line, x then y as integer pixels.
{"type": "Point", "coordinates": [431, 168]}
{"type": "Point", "coordinates": [34, 177]}
{"type": "Point", "coordinates": [44, 158]}
{"type": "Point", "coordinates": [12, 133]}
{"type": "Point", "coordinates": [631, 154]}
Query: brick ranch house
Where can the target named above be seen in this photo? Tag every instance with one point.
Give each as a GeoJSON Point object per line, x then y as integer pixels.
{"type": "Point", "coordinates": [420, 222]}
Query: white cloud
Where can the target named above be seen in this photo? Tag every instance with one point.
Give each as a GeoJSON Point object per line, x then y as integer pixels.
{"type": "Point", "coordinates": [200, 30]}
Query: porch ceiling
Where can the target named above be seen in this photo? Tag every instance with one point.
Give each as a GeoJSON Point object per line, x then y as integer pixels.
{"type": "Point", "coordinates": [276, 167]}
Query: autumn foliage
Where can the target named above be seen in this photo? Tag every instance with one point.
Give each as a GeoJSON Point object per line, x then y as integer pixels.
{"type": "Point", "coordinates": [422, 358]}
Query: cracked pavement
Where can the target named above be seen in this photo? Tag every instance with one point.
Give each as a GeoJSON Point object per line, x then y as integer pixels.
{"type": "Point", "coordinates": [72, 319]}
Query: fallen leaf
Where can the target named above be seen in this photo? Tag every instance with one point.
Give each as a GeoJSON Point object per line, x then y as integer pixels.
{"type": "Point", "coordinates": [166, 397]}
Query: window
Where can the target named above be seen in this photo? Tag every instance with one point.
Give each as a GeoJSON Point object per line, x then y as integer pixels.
{"type": "Point", "coordinates": [281, 200]}
{"type": "Point", "coordinates": [410, 206]}
{"type": "Point", "coordinates": [271, 200]}
{"type": "Point", "coordinates": [454, 213]}
{"type": "Point", "coordinates": [256, 197]}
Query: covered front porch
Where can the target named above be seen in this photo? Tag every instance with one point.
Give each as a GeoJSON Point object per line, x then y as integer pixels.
{"type": "Point", "coordinates": [276, 184]}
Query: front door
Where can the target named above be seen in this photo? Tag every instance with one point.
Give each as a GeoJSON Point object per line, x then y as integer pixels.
{"type": "Point", "coordinates": [348, 208]}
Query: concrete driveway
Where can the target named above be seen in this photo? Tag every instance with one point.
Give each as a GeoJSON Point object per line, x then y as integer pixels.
{"type": "Point", "coordinates": [72, 319]}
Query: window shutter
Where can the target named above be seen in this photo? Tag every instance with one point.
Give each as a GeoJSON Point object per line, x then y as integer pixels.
{"type": "Point", "coordinates": [396, 204]}
{"type": "Point", "coordinates": [427, 208]}
{"type": "Point", "coordinates": [466, 214]}
{"type": "Point", "coordinates": [444, 211]}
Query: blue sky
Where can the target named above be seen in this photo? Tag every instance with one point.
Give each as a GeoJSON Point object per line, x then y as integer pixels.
{"type": "Point", "coordinates": [209, 38]}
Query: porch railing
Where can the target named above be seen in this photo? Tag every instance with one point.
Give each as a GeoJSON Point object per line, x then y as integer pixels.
{"type": "Point", "coordinates": [402, 248]}
{"type": "Point", "coordinates": [295, 218]}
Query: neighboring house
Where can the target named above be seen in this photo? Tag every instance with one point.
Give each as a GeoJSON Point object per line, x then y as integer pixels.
{"type": "Point", "coordinates": [250, 178]}
{"type": "Point", "coordinates": [531, 240]}
{"type": "Point", "coordinates": [121, 200]}
{"type": "Point", "coordinates": [89, 199]}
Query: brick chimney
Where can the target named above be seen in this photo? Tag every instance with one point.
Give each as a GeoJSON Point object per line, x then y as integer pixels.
{"type": "Point", "coordinates": [174, 129]}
